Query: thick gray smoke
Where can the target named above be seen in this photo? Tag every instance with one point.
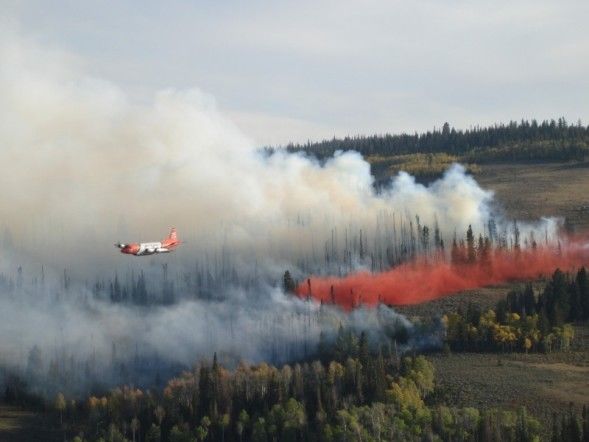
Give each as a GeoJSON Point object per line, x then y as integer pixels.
{"type": "Point", "coordinates": [67, 340]}
{"type": "Point", "coordinates": [85, 167]}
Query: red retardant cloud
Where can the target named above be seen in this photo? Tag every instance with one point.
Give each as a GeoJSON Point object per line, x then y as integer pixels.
{"type": "Point", "coordinates": [422, 281]}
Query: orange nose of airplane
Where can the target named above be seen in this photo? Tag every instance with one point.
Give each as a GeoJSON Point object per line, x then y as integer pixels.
{"type": "Point", "coordinates": [130, 249]}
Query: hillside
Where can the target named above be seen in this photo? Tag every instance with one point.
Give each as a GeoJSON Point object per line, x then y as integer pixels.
{"type": "Point", "coordinates": [530, 191]}
{"type": "Point", "coordinates": [535, 169]}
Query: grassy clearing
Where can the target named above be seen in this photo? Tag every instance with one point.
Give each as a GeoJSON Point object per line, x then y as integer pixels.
{"type": "Point", "coordinates": [544, 383]}
{"type": "Point", "coordinates": [419, 164]}
{"type": "Point", "coordinates": [18, 425]}
{"type": "Point", "coordinates": [530, 191]}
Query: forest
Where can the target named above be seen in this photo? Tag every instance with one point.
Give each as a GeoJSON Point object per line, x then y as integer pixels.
{"type": "Point", "coordinates": [323, 377]}
{"type": "Point", "coordinates": [352, 389]}
{"type": "Point", "coordinates": [549, 140]}
{"type": "Point", "coordinates": [384, 284]}
{"type": "Point", "coordinates": [524, 321]}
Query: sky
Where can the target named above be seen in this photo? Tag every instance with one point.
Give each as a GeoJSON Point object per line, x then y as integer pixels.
{"type": "Point", "coordinates": [309, 70]}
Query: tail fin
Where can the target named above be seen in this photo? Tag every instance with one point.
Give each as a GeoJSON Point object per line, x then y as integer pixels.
{"type": "Point", "coordinates": [173, 235]}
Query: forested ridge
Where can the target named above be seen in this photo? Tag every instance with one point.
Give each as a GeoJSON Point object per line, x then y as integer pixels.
{"type": "Point", "coordinates": [549, 140]}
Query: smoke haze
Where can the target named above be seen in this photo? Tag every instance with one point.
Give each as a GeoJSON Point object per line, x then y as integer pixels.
{"type": "Point", "coordinates": [86, 167]}
{"type": "Point", "coordinates": [76, 344]}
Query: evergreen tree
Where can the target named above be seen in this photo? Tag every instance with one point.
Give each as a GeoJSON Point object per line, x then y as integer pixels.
{"type": "Point", "coordinates": [558, 302]}
{"type": "Point", "coordinates": [455, 253]}
{"type": "Point", "coordinates": [583, 287]}
{"type": "Point", "coordinates": [471, 253]}
{"type": "Point", "coordinates": [288, 283]}
{"type": "Point", "coordinates": [529, 300]}
{"type": "Point", "coordinates": [585, 417]}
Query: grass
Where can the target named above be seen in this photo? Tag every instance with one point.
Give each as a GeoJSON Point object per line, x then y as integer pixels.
{"type": "Point", "coordinates": [530, 191]}
{"type": "Point", "coordinates": [19, 425]}
{"type": "Point", "coordinates": [419, 164]}
{"type": "Point", "coordinates": [544, 383]}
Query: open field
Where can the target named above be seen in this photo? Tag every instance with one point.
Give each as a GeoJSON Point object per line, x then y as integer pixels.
{"type": "Point", "coordinates": [544, 383]}
{"type": "Point", "coordinates": [26, 426]}
{"type": "Point", "coordinates": [529, 191]}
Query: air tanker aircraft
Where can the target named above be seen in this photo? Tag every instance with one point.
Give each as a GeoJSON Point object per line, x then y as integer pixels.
{"type": "Point", "coordinates": [150, 248]}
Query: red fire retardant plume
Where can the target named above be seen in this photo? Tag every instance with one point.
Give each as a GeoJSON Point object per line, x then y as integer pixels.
{"type": "Point", "coordinates": [417, 282]}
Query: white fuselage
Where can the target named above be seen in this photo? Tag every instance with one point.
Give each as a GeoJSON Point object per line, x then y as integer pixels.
{"type": "Point", "coordinates": [149, 248]}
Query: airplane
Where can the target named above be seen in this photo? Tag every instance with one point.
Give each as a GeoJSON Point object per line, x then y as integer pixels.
{"type": "Point", "coordinates": [150, 248]}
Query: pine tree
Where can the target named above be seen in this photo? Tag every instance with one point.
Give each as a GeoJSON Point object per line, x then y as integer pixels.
{"type": "Point", "coordinates": [516, 236]}
{"type": "Point", "coordinates": [576, 307]}
{"type": "Point", "coordinates": [573, 426]}
{"type": "Point", "coordinates": [455, 253]}
{"type": "Point", "coordinates": [471, 253]}
{"type": "Point", "coordinates": [529, 301]}
{"type": "Point", "coordinates": [583, 286]}
{"type": "Point", "coordinates": [288, 283]}
{"type": "Point", "coordinates": [555, 437]}
{"type": "Point", "coordinates": [363, 350]}
{"type": "Point", "coordinates": [561, 301]}
{"type": "Point", "coordinates": [585, 417]}
{"type": "Point", "coordinates": [116, 290]}
{"type": "Point", "coordinates": [380, 378]}
{"type": "Point", "coordinates": [437, 237]}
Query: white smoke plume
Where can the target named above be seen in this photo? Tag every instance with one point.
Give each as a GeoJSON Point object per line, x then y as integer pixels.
{"type": "Point", "coordinates": [84, 166]}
